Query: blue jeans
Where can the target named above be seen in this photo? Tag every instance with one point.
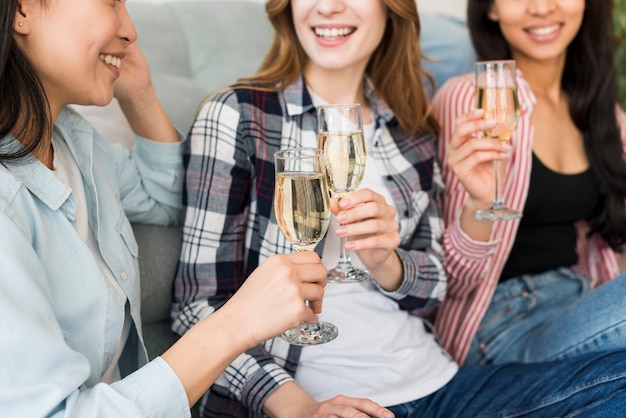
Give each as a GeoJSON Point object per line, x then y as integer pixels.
{"type": "Point", "coordinates": [550, 316]}
{"type": "Point", "coordinates": [592, 385]}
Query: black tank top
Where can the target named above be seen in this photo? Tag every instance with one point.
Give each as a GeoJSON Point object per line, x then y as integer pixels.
{"type": "Point", "coordinates": [546, 238]}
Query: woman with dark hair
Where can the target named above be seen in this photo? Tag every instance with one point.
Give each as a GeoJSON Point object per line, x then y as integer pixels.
{"type": "Point", "coordinates": [346, 51]}
{"type": "Point", "coordinates": [519, 290]}
{"type": "Point", "coordinates": [70, 326]}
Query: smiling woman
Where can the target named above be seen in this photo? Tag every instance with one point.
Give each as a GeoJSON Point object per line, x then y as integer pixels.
{"type": "Point", "coordinates": [327, 52]}
{"type": "Point", "coordinates": [568, 147]}
{"type": "Point", "coordinates": [70, 334]}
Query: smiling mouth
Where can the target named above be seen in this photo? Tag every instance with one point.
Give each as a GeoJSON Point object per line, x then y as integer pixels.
{"type": "Point", "coordinates": [110, 59]}
{"type": "Point", "coordinates": [334, 33]}
{"type": "Point", "coordinates": [546, 30]}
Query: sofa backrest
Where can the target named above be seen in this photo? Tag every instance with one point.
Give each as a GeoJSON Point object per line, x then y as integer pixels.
{"type": "Point", "coordinates": [197, 46]}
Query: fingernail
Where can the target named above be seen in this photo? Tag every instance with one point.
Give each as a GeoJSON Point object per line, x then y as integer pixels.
{"type": "Point", "coordinates": [350, 246]}
{"type": "Point", "coordinates": [341, 230]}
{"type": "Point", "coordinates": [490, 121]}
{"type": "Point", "coordinates": [388, 414]}
{"type": "Point", "coordinates": [342, 217]}
{"type": "Point", "coordinates": [344, 203]}
{"type": "Point", "coordinates": [477, 112]}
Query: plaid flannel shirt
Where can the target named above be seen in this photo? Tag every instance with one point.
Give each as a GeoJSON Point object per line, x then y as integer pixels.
{"type": "Point", "coordinates": [230, 227]}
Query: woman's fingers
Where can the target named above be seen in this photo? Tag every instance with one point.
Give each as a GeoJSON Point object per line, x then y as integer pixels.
{"type": "Point", "coordinates": [273, 298]}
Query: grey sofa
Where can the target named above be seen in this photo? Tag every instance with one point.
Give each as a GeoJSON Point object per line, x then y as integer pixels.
{"type": "Point", "coordinates": [194, 47]}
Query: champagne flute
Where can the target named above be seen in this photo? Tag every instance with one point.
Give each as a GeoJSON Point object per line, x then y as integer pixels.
{"type": "Point", "coordinates": [340, 135]}
{"type": "Point", "coordinates": [302, 209]}
{"type": "Point", "coordinates": [496, 94]}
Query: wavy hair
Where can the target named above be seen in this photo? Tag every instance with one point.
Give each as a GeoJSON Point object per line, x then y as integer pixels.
{"type": "Point", "coordinates": [395, 67]}
{"type": "Point", "coordinates": [24, 107]}
{"type": "Point", "coordinates": [589, 82]}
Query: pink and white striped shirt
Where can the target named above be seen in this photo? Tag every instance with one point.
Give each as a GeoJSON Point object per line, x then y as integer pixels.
{"type": "Point", "coordinates": [474, 267]}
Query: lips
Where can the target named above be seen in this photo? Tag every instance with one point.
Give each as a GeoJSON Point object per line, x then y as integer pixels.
{"type": "Point", "coordinates": [544, 30]}
{"type": "Point", "coordinates": [333, 33]}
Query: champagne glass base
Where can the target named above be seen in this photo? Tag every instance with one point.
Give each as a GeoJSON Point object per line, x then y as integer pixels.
{"type": "Point", "coordinates": [311, 334]}
{"type": "Point", "coordinates": [347, 274]}
{"type": "Point", "coordinates": [500, 213]}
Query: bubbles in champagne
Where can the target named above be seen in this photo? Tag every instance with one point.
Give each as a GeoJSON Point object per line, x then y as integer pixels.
{"type": "Point", "coordinates": [345, 160]}
{"type": "Point", "coordinates": [301, 203]}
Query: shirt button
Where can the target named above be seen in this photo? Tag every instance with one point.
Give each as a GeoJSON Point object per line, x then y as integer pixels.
{"type": "Point", "coordinates": [524, 293]}
{"type": "Point", "coordinates": [123, 275]}
{"type": "Point", "coordinates": [482, 347]}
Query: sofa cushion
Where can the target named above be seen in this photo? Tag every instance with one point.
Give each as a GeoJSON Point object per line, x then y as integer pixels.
{"type": "Point", "coordinates": [159, 248]}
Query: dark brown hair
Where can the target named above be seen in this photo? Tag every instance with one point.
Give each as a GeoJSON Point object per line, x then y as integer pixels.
{"type": "Point", "coordinates": [24, 107]}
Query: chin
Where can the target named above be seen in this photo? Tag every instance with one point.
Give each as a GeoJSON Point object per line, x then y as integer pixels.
{"type": "Point", "coordinates": [100, 101]}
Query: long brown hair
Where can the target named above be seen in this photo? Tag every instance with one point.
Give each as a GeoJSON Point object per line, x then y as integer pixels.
{"type": "Point", "coordinates": [395, 67]}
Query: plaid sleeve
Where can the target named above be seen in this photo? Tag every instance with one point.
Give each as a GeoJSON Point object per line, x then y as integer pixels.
{"type": "Point", "coordinates": [414, 180]}
{"type": "Point", "coordinates": [219, 177]}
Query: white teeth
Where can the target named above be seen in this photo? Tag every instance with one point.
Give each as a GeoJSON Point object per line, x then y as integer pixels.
{"type": "Point", "coordinates": [545, 30]}
{"type": "Point", "coordinates": [333, 33]}
{"type": "Point", "coordinates": [110, 59]}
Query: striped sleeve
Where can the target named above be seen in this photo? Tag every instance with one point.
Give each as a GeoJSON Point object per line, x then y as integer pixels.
{"type": "Point", "coordinates": [467, 261]}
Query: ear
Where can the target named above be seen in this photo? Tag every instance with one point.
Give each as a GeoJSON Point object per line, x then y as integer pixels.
{"type": "Point", "coordinates": [493, 12]}
{"type": "Point", "coordinates": [21, 23]}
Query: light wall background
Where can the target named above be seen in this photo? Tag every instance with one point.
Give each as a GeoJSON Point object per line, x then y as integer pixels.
{"type": "Point", "coordinates": [452, 7]}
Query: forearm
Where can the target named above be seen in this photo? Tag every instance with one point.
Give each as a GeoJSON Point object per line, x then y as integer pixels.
{"type": "Point", "coordinates": [203, 352]}
{"type": "Point", "coordinates": [147, 117]}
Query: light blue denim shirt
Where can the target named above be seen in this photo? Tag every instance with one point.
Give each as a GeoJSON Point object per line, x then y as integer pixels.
{"type": "Point", "coordinates": [60, 323]}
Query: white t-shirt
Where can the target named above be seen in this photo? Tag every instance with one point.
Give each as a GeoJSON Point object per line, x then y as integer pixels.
{"type": "Point", "coordinates": [382, 353]}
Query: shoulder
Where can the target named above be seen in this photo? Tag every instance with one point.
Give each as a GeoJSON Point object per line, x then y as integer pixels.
{"type": "Point", "coordinates": [243, 99]}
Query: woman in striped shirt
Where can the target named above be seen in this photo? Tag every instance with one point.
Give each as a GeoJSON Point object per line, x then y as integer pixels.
{"type": "Point", "coordinates": [519, 290]}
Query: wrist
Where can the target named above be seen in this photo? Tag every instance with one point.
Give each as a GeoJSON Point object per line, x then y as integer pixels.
{"type": "Point", "coordinates": [288, 400]}
{"type": "Point", "coordinates": [390, 272]}
{"type": "Point", "coordinates": [230, 326]}
{"type": "Point", "coordinates": [472, 205]}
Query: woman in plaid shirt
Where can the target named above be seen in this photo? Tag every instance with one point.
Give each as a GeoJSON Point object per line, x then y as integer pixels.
{"type": "Point", "coordinates": [342, 51]}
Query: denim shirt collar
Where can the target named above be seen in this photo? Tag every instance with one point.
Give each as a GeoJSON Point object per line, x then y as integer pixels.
{"type": "Point", "coordinates": [298, 101]}
{"type": "Point", "coordinates": [43, 182]}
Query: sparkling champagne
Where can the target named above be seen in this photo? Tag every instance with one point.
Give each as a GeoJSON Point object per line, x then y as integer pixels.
{"type": "Point", "coordinates": [345, 160]}
{"type": "Point", "coordinates": [502, 105]}
{"type": "Point", "coordinates": [302, 208]}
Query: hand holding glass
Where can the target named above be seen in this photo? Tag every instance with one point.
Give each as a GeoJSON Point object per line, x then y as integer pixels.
{"type": "Point", "coordinates": [340, 135]}
{"type": "Point", "coordinates": [496, 94]}
{"type": "Point", "coordinates": [302, 209]}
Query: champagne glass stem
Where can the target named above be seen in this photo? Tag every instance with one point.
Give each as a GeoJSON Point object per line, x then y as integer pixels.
{"type": "Point", "coordinates": [344, 256]}
{"type": "Point", "coordinates": [497, 197]}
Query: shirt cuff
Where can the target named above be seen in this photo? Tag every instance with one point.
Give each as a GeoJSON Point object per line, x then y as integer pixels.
{"type": "Point", "coordinates": [157, 388]}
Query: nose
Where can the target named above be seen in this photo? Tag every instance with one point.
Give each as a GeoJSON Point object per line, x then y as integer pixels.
{"type": "Point", "coordinates": [127, 30]}
{"type": "Point", "coordinates": [329, 7]}
{"type": "Point", "coordinates": [541, 7]}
